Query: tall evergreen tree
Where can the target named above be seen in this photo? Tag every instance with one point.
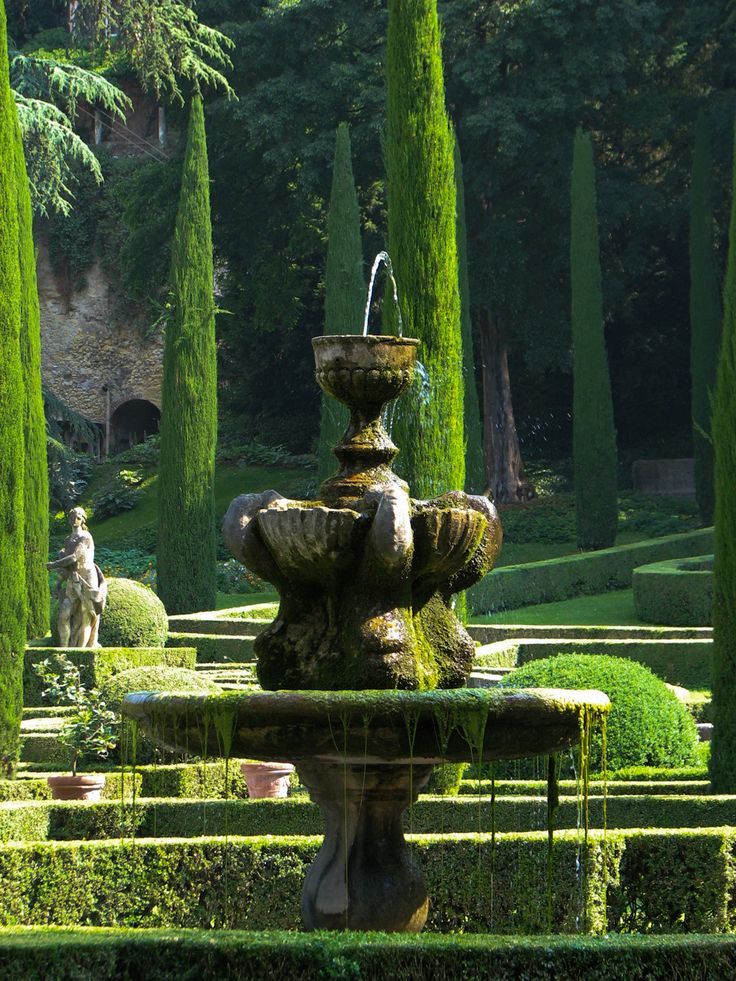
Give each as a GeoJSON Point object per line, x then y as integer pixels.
{"type": "Point", "coordinates": [12, 572]}
{"type": "Point", "coordinates": [705, 316]}
{"type": "Point", "coordinates": [186, 541]}
{"type": "Point", "coordinates": [475, 468]}
{"type": "Point", "coordinates": [344, 285]}
{"type": "Point", "coordinates": [723, 750]}
{"type": "Point", "coordinates": [594, 435]}
{"type": "Point", "coordinates": [36, 478]}
{"type": "Point", "coordinates": [421, 237]}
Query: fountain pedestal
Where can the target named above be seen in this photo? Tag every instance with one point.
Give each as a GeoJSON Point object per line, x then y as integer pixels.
{"type": "Point", "coordinates": [364, 876]}
{"type": "Point", "coordinates": [365, 663]}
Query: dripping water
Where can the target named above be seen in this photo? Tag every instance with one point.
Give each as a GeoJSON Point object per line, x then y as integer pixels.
{"type": "Point", "coordinates": [420, 394]}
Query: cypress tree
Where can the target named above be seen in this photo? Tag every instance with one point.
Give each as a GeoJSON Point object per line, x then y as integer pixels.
{"type": "Point", "coordinates": [344, 285]}
{"type": "Point", "coordinates": [12, 571]}
{"type": "Point", "coordinates": [428, 426]}
{"type": "Point", "coordinates": [594, 436]}
{"type": "Point", "coordinates": [723, 750]}
{"type": "Point", "coordinates": [705, 317]}
{"type": "Point", "coordinates": [186, 554]}
{"type": "Point", "coordinates": [475, 468]}
{"type": "Point", "coordinates": [36, 478]}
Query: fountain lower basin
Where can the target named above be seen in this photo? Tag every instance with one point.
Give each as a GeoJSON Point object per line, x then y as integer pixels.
{"type": "Point", "coordinates": [364, 757]}
{"type": "Point", "coordinates": [400, 727]}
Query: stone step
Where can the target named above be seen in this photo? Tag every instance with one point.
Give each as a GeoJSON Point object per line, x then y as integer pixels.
{"type": "Point", "coordinates": [47, 711]}
{"type": "Point", "coordinates": [46, 724]}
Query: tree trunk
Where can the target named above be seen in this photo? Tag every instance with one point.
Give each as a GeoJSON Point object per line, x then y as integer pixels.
{"type": "Point", "coordinates": [504, 466]}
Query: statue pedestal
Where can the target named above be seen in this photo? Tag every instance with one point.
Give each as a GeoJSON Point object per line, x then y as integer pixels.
{"type": "Point", "coordinates": [364, 876]}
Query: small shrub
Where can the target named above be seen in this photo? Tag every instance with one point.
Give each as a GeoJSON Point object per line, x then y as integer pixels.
{"type": "Point", "coordinates": [544, 521]}
{"type": "Point", "coordinates": [115, 497]}
{"type": "Point", "coordinates": [233, 577]}
{"type": "Point", "coordinates": [128, 563]}
{"type": "Point", "coordinates": [146, 454]}
{"type": "Point", "coordinates": [446, 779]}
{"type": "Point", "coordinates": [91, 730]}
{"type": "Point", "coordinates": [134, 616]}
{"type": "Point", "coordinates": [647, 724]}
{"type": "Point", "coordinates": [69, 474]}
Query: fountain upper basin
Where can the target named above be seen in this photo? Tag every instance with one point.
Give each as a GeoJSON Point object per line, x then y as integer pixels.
{"type": "Point", "coordinates": [368, 726]}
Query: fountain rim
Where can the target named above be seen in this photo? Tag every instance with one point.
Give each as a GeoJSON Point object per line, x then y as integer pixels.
{"type": "Point", "coordinates": [318, 705]}
{"type": "Point", "coordinates": [405, 727]}
{"type": "Point", "coordinates": [369, 339]}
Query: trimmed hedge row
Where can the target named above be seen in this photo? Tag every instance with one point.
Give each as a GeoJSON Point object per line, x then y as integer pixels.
{"type": "Point", "coordinates": [538, 788]}
{"type": "Point", "coordinates": [678, 592]}
{"type": "Point", "coordinates": [680, 662]}
{"type": "Point", "coordinates": [170, 818]}
{"type": "Point", "coordinates": [215, 647]}
{"type": "Point", "coordinates": [210, 955]}
{"type": "Point", "coordinates": [237, 620]}
{"type": "Point", "coordinates": [194, 781]}
{"type": "Point", "coordinates": [584, 573]}
{"type": "Point", "coordinates": [96, 665]}
{"type": "Point", "coordinates": [255, 883]}
{"type": "Point", "coordinates": [37, 788]}
{"type": "Point", "coordinates": [495, 633]}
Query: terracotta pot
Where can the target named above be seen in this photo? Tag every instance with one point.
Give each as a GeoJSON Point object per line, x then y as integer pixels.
{"type": "Point", "coordinates": [267, 779]}
{"type": "Point", "coordinates": [85, 786]}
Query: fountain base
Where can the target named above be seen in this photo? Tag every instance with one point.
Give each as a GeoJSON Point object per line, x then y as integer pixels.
{"type": "Point", "coordinates": [364, 876]}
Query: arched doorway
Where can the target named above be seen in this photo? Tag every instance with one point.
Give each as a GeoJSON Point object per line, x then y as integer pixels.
{"type": "Point", "coordinates": [131, 423]}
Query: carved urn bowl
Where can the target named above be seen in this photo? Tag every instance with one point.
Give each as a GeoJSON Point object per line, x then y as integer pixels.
{"type": "Point", "coordinates": [364, 372]}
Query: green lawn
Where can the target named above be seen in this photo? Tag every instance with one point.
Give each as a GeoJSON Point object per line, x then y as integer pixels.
{"type": "Point", "coordinates": [519, 554]}
{"type": "Point", "coordinates": [226, 601]}
{"type": "Point", "coordinates": [230, 480]}
{"type": "Point", "coordinates": [615, 608]}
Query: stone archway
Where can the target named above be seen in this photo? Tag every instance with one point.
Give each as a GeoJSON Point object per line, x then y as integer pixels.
{"type": "Point", "coordinates": [132, 422]}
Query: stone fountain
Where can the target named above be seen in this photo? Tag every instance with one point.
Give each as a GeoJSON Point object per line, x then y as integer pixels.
{"type": "Point", "coordinates": [364, 665]}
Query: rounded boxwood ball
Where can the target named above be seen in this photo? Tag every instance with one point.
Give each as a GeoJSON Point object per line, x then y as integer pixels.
{"type": "Point", "coordinates": [134, 616]}
{"type": "Point", "coordinates": [647, 725]}
{"type": "Point", "coordinates": [154, 678]}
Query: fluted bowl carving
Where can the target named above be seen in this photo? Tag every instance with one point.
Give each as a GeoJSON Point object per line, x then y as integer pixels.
{"type": "Point", "coordinates": [312, 543]}
{"type": "Point", "coordinates": [364, 371]}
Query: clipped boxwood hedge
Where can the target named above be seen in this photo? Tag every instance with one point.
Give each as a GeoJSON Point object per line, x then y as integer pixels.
{"type": "Point", "coordinates": [187, 780]}
{"type": "Point", "coordinates": [584, 573]}
{"type": "Point", "coordinates": [98, 664]}
{"type": "Point", "coordinates": [634, 881]}
{"type": "Point", "coordinates": [134, 616]}
{"type": "Point", "coordinates": [210, 955]}
{"type": "Point", "coordinates": [647, 724]}
{"type": "Point", "coordinates": [172, 818]}
{"type": "Point", "coordinates": [678, 592]}
{"type": "Point", "coordinates": [255, 883]}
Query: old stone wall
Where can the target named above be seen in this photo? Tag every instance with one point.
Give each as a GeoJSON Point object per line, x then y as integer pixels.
{"type": "Point", "coordinates": [90, 340]}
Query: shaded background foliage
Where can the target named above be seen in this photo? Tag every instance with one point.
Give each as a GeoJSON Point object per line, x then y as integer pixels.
{"type": "Point", "coordinates": [519, 77]}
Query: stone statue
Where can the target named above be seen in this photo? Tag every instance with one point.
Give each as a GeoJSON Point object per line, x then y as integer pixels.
{"type": "Point", "coordinates": [81, 588]}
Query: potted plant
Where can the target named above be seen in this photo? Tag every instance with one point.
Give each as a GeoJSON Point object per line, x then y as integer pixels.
{"type": "Point", "coordinates": [266, 779]}
{"type": "Point", "coordinates": [91, 730]}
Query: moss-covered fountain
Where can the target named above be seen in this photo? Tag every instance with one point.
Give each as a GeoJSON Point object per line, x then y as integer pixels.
{"type": "Point", "coordinates": [365, 662]}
